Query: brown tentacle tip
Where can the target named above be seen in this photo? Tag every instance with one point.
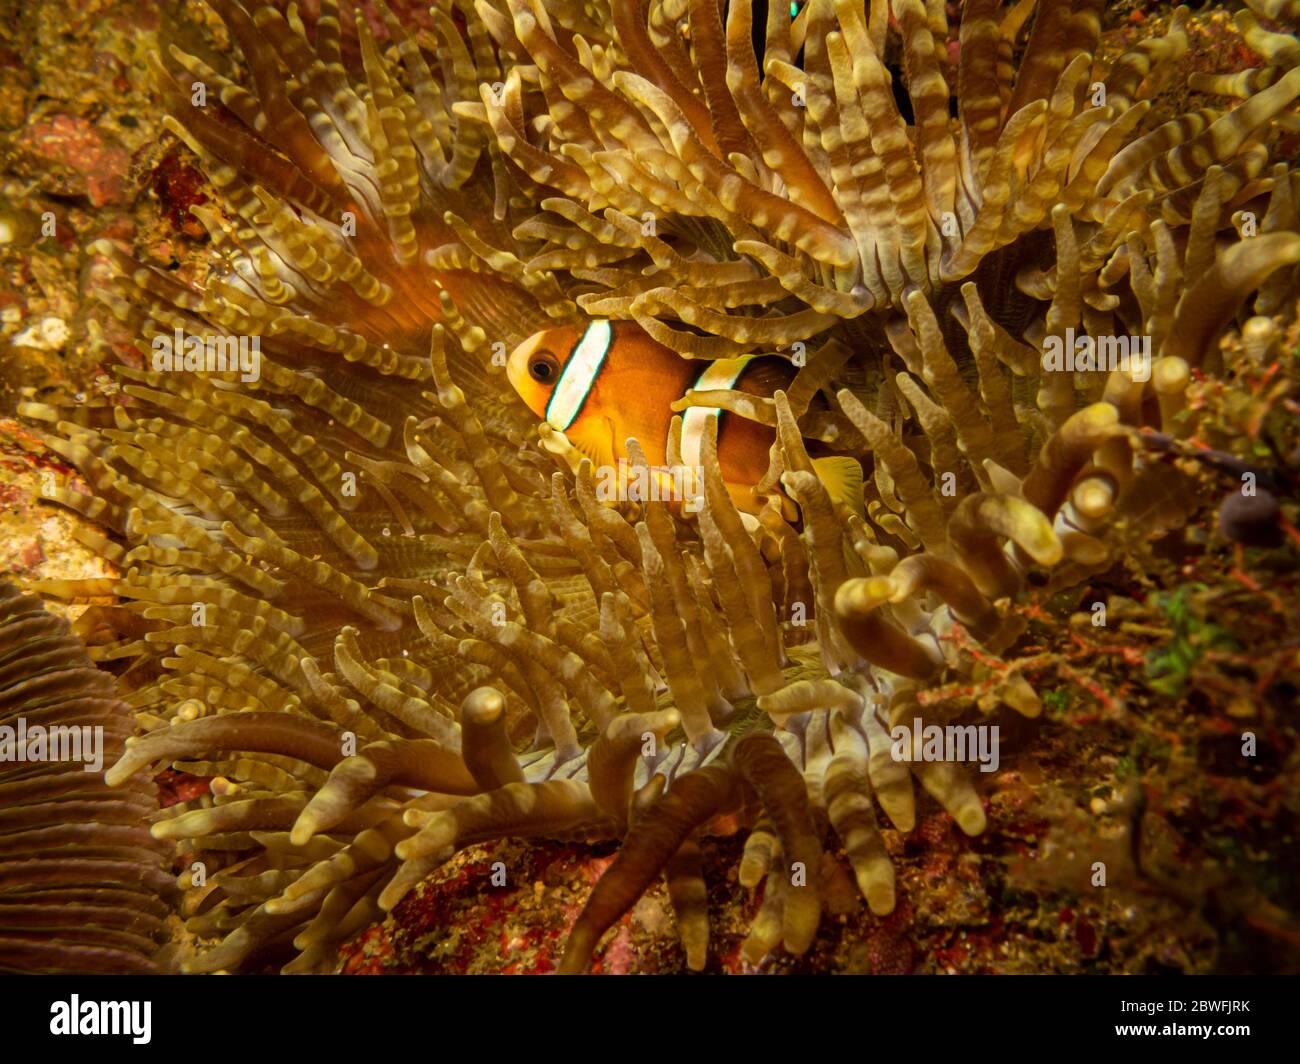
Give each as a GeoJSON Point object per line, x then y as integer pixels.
{"type": "Point", "coordinates": [485, 746]}
{"type": "Point", "coordinates": [654, 838]}
{"type": "Point", "coordinates": [879, 641]}
{"type": "Point", "coordinates": [762, 763]}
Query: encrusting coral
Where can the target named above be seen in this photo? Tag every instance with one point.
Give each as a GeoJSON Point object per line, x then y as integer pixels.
{"type": "Point", "coordinates": [349, 577]}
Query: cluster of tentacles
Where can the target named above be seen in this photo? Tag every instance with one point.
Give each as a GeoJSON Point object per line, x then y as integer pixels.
{"type": "Point", "coordinates": [348, 583]}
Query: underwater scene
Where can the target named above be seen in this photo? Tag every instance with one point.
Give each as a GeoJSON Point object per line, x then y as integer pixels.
{"type": "Point", "coordinates": [649, 487]}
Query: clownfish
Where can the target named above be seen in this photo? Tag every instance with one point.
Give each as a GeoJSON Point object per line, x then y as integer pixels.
{"type": "Point", "coordinates": [605, 381]}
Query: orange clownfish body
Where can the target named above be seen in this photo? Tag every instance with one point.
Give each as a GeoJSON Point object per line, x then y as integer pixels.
{"type": "Point", "coordinates": [603, 382]}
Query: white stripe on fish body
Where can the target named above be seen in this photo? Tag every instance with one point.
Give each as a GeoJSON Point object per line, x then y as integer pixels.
{"type": "Point", "coordinates": [579, 375]}
{"type": "Point", "coordinates": [719, 376]}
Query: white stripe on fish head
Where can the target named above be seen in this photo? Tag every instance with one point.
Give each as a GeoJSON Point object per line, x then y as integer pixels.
{"type": "Point", "coordinates": [579, 375]}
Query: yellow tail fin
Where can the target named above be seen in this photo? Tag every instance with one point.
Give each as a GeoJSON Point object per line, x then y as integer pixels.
{"type": "Point", "coordinates": [843, 480]}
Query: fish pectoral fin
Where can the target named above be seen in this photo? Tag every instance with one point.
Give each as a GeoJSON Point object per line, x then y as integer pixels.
{"type": "Point", "coordinates": [843, 480]}
{"type": "Point", "coordinates": [594, 437]}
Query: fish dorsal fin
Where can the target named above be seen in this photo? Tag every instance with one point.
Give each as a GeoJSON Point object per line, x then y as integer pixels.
{"type": "Point", "coordinates": [594, 437]}
{"type": "Point", "coordinates": [843, 480]}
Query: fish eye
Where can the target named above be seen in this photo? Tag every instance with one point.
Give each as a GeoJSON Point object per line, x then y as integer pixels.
{"type": "Point", "coordinates": [544, 367]}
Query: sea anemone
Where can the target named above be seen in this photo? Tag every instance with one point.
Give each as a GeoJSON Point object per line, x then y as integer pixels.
{"type": "Point", "coordinates": [352, 579]}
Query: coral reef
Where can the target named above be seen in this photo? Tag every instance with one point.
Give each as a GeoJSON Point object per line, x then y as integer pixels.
{"type": "Point", "coordinates": [388, 616]}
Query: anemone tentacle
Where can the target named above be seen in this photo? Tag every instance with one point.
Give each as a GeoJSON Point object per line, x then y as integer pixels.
{"type": "Point", "coordinates": [361, 570]}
